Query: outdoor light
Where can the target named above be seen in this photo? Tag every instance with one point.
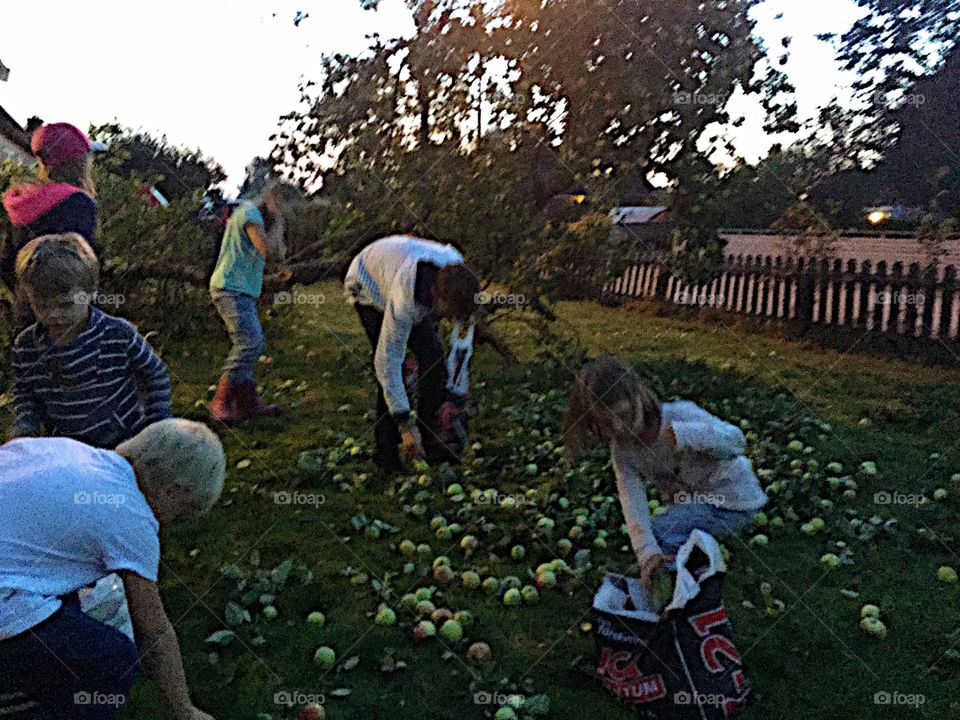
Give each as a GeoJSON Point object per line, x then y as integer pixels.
{"type": "Point", "coordinates": [878, 216]}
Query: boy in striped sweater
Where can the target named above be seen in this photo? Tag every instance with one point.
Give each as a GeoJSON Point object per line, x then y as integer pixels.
{"type": "Point", "coordinates": [80, 373]}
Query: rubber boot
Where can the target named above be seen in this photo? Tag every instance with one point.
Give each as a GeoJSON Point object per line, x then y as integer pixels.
{"type": "Point", "coordinates": [223, 407]}
{"type": "Point", "coordinates": [252, 403]}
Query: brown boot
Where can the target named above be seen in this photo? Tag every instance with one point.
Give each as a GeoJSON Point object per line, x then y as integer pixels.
{"type": "Point", "coordinates": [224, 406]}
{"type": "Point", "coordinates": [251, 402]}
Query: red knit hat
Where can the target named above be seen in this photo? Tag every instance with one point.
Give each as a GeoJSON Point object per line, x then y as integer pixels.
{"type": "Point", "coordinates": [58, 143]}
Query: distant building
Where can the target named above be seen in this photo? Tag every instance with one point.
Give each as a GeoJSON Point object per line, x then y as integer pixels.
{"type": "Point", "coordinates": [14, 141]}
{"type": "Point", "coordinates": [646, 227]}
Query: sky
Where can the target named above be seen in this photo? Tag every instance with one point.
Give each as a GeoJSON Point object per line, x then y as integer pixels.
{"type": "Point", "coordinates": [218, 74]}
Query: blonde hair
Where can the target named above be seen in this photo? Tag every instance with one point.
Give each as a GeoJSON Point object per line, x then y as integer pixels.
{"type": "Point", "coordinates": [281, 191]}
{"type": "Point", "coordinates": [609, 399]}
{"type": "Point", "coordinates": [55, 264]}
{"type": "Point", "coordinates": [78, 171]}
{"type": "Point", "coordinates": [178, 452]}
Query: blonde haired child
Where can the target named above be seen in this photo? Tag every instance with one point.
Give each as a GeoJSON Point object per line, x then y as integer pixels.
{"type": "Point", "coordinates": [694, 459]}
{"type": "Point", "coordinates": [80, 373]}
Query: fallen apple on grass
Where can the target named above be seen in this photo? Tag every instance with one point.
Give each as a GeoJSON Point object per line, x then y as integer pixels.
{"type": "Point", "coordinates": [313, 711]}
{"type": "Point", "coordinates": [947, 574]}
{"type": "Point", "coordinates": [479, 654]}
{"type": "Point", "coordinates": [385, 617]}
{"type": "Point", "coordinates": [451, 631]}
{"type": "Point", "coordinates": [873, 626]}
{"type": "Point", "coordinates": [325, 658]}
{"type": "Point", "coordinates": [423, 630]}
{"type": "Point", "coordinates": [316, 618]}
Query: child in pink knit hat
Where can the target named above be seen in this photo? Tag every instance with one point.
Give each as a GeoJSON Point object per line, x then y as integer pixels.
{"type": "Point", "coordinates": [61, 202]}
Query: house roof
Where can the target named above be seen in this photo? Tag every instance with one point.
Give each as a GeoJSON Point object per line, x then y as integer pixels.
{"type": "Point", "coordinates": [11, 130]}
{"type": "Point", "coordinates": [637, 215]}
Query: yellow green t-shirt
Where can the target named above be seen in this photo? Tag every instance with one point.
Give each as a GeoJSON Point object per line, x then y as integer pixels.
{"type": "Point", "coordinates": [240, 265]}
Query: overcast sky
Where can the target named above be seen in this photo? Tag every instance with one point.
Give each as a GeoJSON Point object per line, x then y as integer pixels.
{"type": "Point", "coordinates": [217, 74]}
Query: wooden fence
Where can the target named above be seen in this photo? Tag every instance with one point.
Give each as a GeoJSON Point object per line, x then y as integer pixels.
{"type": "Point", "coordinates": [910, 302]}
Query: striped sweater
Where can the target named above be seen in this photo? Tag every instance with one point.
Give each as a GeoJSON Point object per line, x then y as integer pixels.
{"type": "Point", "coordinates": [102, 388]}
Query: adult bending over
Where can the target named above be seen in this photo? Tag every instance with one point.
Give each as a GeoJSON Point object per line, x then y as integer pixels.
{"type": "Point", "coordinates": [71, 514]}
{"type": "Point", "coordinates": [400, 286]}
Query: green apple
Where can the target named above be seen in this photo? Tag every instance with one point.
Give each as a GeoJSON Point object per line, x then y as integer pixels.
{"type": "Point", "coordinates": [759, 540]}
{"type": "Point", "coordinates": [408, 547]}
{"type": "Point", "coordinates": [529, 594]}
{"type": "Point", "coordinates": [386, 617]}
{"type": "Point", "coordinates": [511, 597]}
{"type": "Point", "coordinates": [316, 618]}
{"type": "Point", "coordinates": [518, 552]}
{"type": "Point", "coordinates": [947, 574]}
{"type": "Point", "coordinates": [325, 658]}
{"type": "Point", "coordinates": [870, 611]}
{"type": "Point", "coordinates": [939, 494]}
{"type": "Point", "coordinates": [424, 607]}
{"type": "Point", "coordinates": [873, 626]}
{"type": "Point", "coordinates": [423, 594]}
{"type": "Point", "coordinates": [470, 580]}
{"type": "Point", "coordinates": [464, 617]}
{"type": "Point", "coordinates": [795, 446]}
{"type": "Point", "coordinates": [829, 560]}
{"type": "Point", "coordinates": [451, 631]}
{"type": "Point", "coordinates": [491, 586]}
{"type": "Point", "coordinates": [269, 612]}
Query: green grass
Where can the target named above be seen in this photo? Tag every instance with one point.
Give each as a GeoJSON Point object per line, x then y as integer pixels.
{"type": "Point", "coordinates": [809, 662]}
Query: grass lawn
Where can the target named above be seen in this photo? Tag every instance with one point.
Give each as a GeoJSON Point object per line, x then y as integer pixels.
{"type": "Point", "coordinates": [805, 654]}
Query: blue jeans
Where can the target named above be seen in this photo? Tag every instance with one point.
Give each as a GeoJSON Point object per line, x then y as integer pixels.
{"type": "Point", "coordinates": [673, 527]}
{"type": "Point", "coordinates": [75, 667]}
{"type": "Point", "coordinates": [239, 313]}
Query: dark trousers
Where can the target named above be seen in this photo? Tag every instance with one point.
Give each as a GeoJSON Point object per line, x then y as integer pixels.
{"type": "Point", "coordinates": [75, 667]}
{"type": "Point", "coordinates": [431, 386]}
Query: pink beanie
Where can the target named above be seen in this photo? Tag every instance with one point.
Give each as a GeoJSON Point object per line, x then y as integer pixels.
{"type": "Point", "coordinates": [58, 143]}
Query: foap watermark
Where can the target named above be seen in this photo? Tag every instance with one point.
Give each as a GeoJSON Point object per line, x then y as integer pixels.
{"type": "Point", "coordinates": [698, 498]}
{"type": "Point", "coordinates": [699, 699]}
{"type": "Point", "coordinates": [504, 499]}
{"type": "Point", "coordinates": [898, 498]}
{"type": "Point", "coordinates": [99, 299]}
{"type": "Point", "coordinates": [900, 298]}
{"type": "Point", "coordinates": [292, 497]}
{"type": "Point", "coordinates": [881, 97]}
{"type": "Point", "coordinates": [498, 699]}
{"type": "Point", "coordinates": [298, 297]}
{"type": "Point", "coordinates": [296, 698]}
{"type": "Point", "coordinates": [685, 97]}
{"type": "Point", "coordinates": [502, 299]}
{"type": "Point", "coordinates": [884, 697]}
{"type": "Point", "coordinates": [685, 298]}
{"type": "Point", "coordinates": [85, 497]}
{"type": "Point", "coordinates": [114, 700]}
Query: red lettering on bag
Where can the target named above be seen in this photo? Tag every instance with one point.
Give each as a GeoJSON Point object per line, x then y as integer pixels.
{"type": "Point", "coordinates": [706, 621]}
{"type": "Point", "coordinates": [738, 681]}
{"type": "Point", "coordinates": [717, 645]}
{"type": "Point", "coordinates": [646, 689]}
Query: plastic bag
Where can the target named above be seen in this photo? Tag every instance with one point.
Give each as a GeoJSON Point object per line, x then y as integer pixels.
{"type": "Point", "coordinates": [106, 601]}
{"type": "Point", "coordinates": [682, 663]}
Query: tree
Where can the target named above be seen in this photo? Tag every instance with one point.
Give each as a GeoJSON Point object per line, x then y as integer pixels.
{"type": "Point", "coordinates": [468, 128]}
{"type": "Point", "coordinates": [176, 172]}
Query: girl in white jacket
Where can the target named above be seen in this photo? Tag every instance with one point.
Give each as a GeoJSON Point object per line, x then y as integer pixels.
{"type": "Point", "coordinates": [694, 459]}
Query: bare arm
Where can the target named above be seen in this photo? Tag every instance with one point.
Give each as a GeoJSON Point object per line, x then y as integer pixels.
{"type": "Point", "coordinates": [258, 238]}
{"type": "Point", "coordinates": [159, 649]}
